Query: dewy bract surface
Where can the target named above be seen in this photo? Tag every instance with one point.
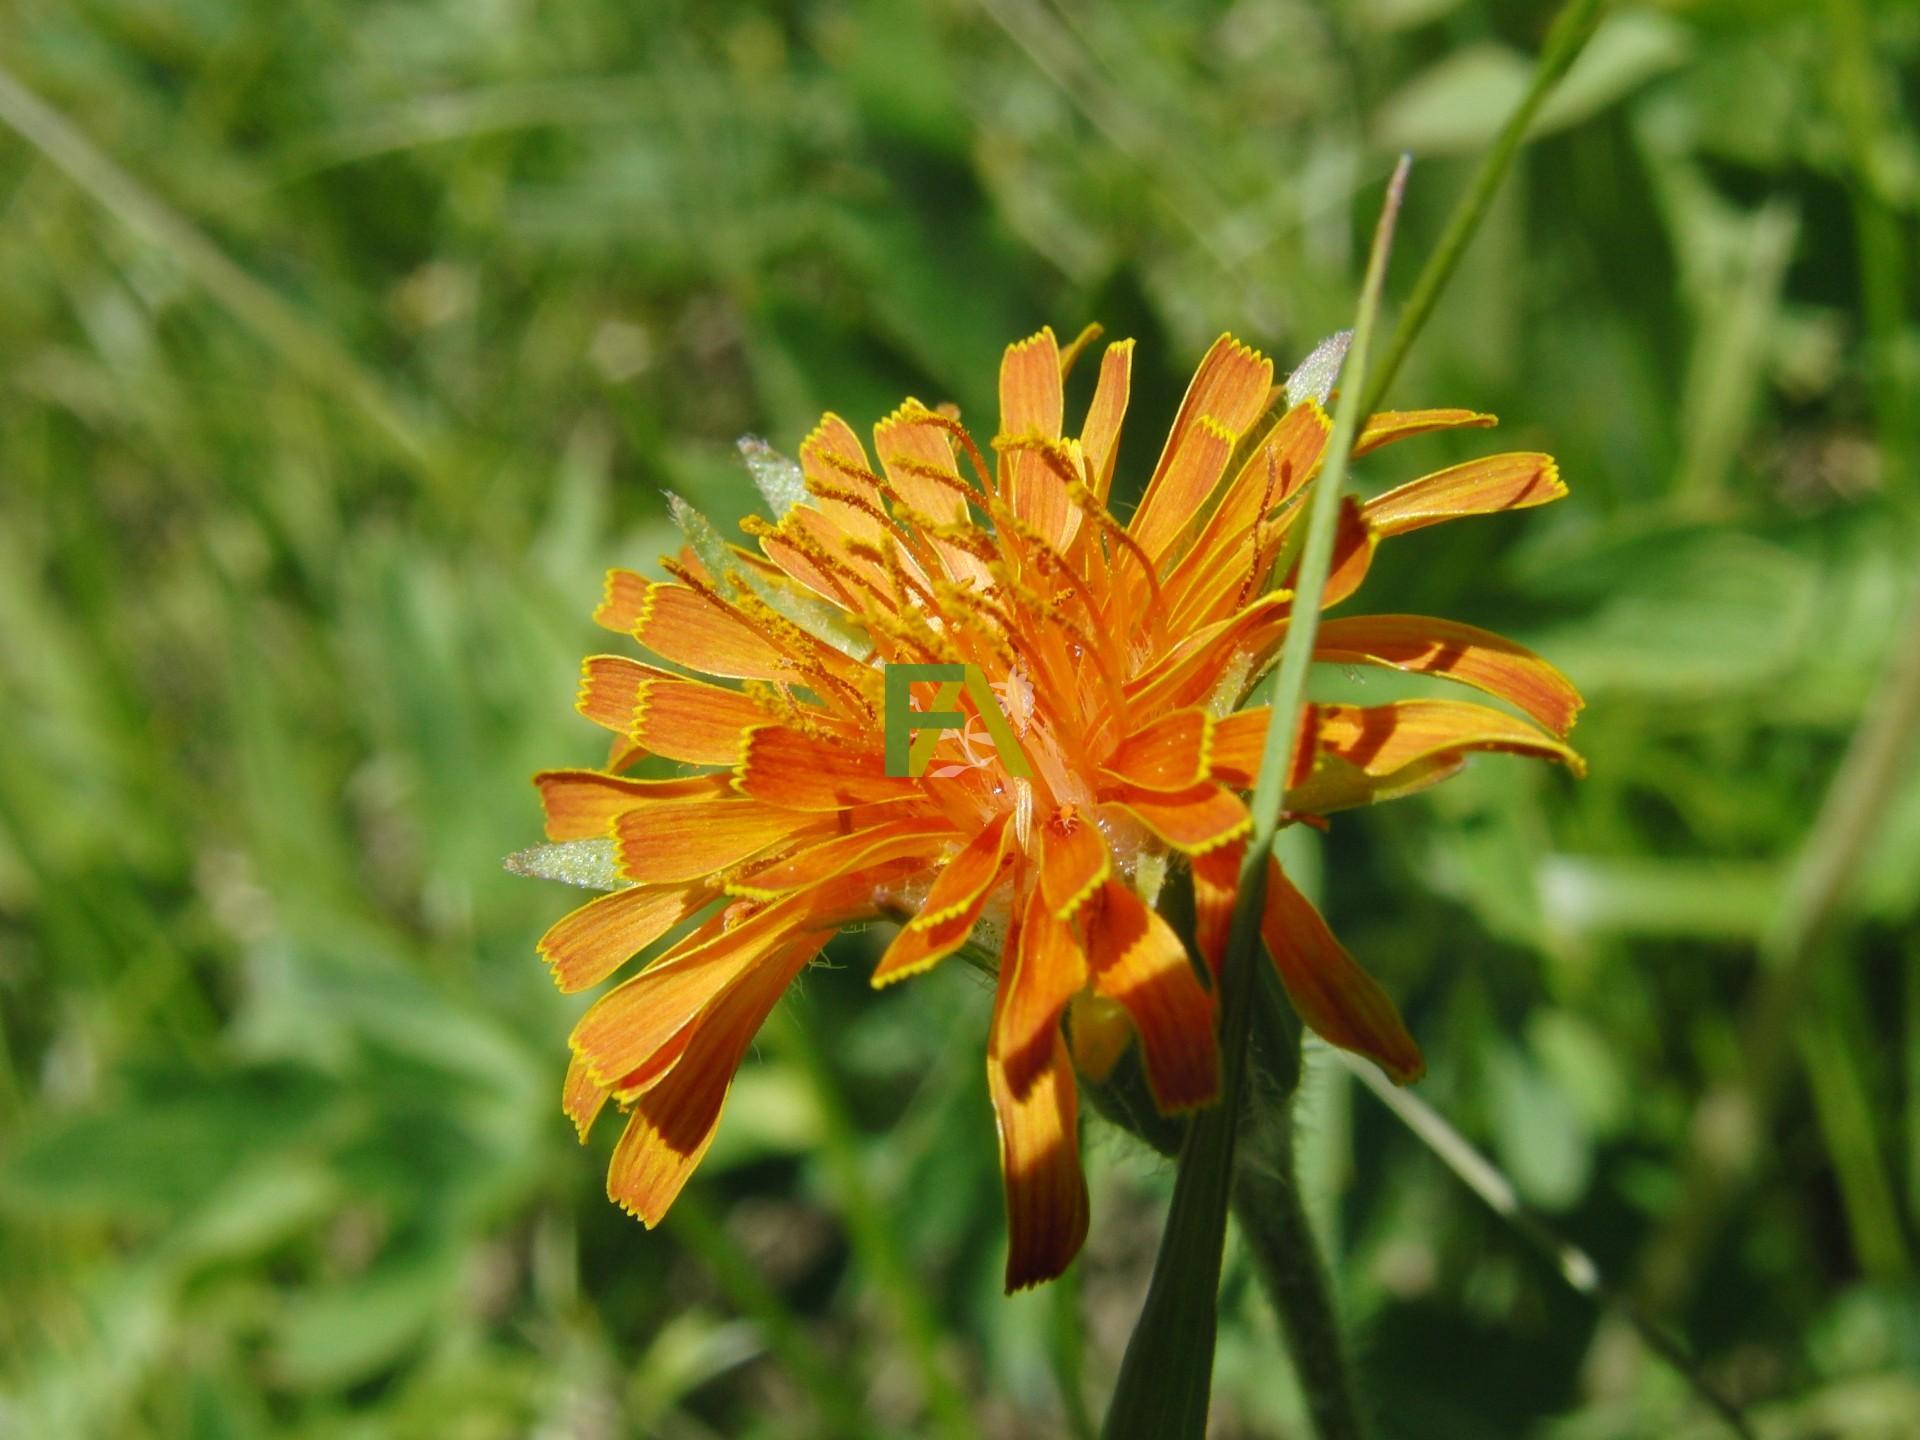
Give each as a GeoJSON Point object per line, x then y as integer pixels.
{"type": "Point", "coordinates": [1120, 654]}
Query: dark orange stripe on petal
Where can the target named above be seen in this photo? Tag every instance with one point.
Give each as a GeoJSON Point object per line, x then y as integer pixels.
{"type": "Point", "coordinates": [1216, 884]}
{"type": "Point", "coordinates": [1515, 481]}
{"type": "Point", "coordinates": [1382, 739]}
{"type": "Point", "coordinates": [674, 1122]}
{"type": "Point", "coordinates": [624, 1032]}
{"type": "Point", "coordinates": [1240, 738]}
{"type": "Point", "coordinates": [1137, 960]}
{"type": "Point", "coordinates": [1425, 645]}
{"type": "Point", "coordinates": [1044, 968]}
{"type": "Point", "coordinates": [1040, 1165]}
{"type": "Point", "coordinates": [1338, 1000]}
{"type": "Point", "coordinates": [586, 945]}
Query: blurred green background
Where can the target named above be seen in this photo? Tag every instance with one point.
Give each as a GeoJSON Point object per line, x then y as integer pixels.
{"type": "Point", "coordinates": [343, 345]}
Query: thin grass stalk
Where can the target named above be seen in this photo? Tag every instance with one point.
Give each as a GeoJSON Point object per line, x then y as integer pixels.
{"type": "Point", "coordinates": [272, 320]}
{"type": "Point", "coordinates": [1166, 1376]}
{"type": "Point", "coordinates": [1575, 1265]}
{"type": "Point", "coordinates": [1571, 30]}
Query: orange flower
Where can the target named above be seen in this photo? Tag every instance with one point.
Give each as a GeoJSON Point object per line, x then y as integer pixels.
{"type": "Point", "coordinates": [1122, 651]}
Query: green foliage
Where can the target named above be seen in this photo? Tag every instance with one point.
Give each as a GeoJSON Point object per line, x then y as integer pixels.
{"type": "Point", "coordinates": [382, 332]}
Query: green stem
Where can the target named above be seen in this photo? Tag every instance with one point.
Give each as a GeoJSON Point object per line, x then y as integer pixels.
{"type": "Point", "coordinates": [1166, 1375]}
{"type": "Point", "coordinates": [1267, 1207]}
{"type": "Point", "coordinates": [1572, 28]}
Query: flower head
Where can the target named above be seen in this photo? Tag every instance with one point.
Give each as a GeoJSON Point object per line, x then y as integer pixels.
{"type": "Point", "coordinates": [1119, 653]}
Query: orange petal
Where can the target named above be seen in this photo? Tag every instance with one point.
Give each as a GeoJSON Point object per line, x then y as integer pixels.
{"type": "Point", "coordinates": [686, 720]}
{"type": "Point", "coordinates": [1355, 755]}
{"type": "Point", "coordinates": [1353, 546]}
{"type": "Point", "coordinates": [1336, 998]}
{"type": "Point", "coordinates": [952, 906]}
{"type": "Point", "coordinates": [1044, 969]}
{"type": "Point", "coordinates": [1222, 564]}
{"type": "Point", "coordinates": [1424, 645]}
{"type": "Point", "coordinates": [624, 1033]}
{"type": "Point", "coordinates": [1191, 671]}
{"type": "Point", "coordinates": [784, 767]}
{"type": "Point", "coordinates": [610, 689]}
{"type": "Point", "coordinates": [1391, 425]}
{"type": "Point", "coordinates": [586, 945]}
{"type": "Point", "coordinates": [1216, 883]}
{"type": "Point", "coordinates": [701, 633]}
{"type": "Point", "coordinates": [1227, 394]}
{"type": "Point", "coordinates": [674, 1122]}
{"type": "Point", "coordinates": [1040, 1163]}
{"type": "Point", "coordinates": [1169, 754]}
{"type": "Point", "coordinates": [1100, 436]}
{"type": "Point", "coordinates": [1137, 960]}
{"type": "Point", "coordinates": [1073, 862]}
{"type": "Point", "coordinates": [1032, 405]}
{"type": "Point", "coordinates": [583, 804]}
{"type": "Point", "coordinates": [796, 561]}
{"type": "Point", "coordinates": [831, 457]}
{"type": "Point", "coordinates": [1382, 739]}
{"type": "Point", "coordinates": [675, 840]}
{"type": "Point", "coordinates": [625, 598]}
{"type": "Point", "coordinates": [581, 1097]}
{"type": "Point", "coordinates": [1480, 487]}
{"type": "Point", "coordinates": [1240, 738]}
{"type": "Point", "coordinates": [1194, 820]}
{"type": "Point", "coordinates": [908, 444]}
{"type": "Point", "coordinates": [919, 835]}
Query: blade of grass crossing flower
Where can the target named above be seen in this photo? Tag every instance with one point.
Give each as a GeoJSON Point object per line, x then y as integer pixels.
{"type": "Point", "coordinates": [1166, 1376]}
{"type": "Point", "coordinates": [1572, 28]}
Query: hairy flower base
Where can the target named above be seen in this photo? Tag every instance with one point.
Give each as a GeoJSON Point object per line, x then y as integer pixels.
{"type": "Point", "coordinates": [1130, 648]}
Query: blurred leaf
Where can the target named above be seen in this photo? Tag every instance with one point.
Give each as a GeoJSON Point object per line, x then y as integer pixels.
{"type": "Point", "coordinates": [1541, 1139]}
{"type": "Point", "coordinates": [329, 1337]}
{"type": "Point", "coordinates": [1456, 106]}
{"type": "Point", "coordinates": [169, 1147]}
